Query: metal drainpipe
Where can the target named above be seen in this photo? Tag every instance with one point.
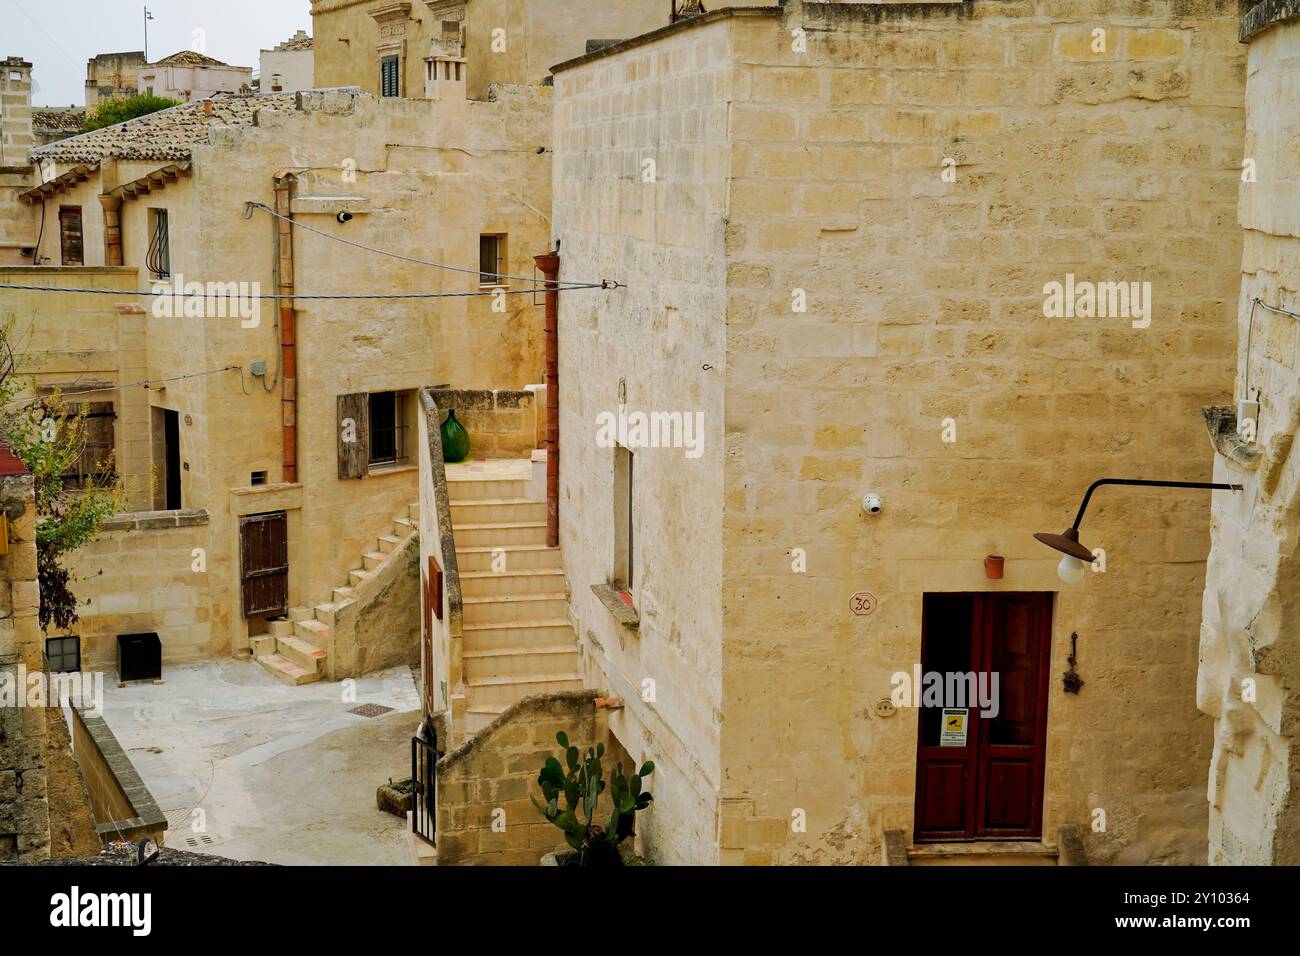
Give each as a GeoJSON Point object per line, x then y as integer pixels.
{"type": "Point", "coordinates": [549, 264]}
{"type": "Point", "coordinates": [288, 341]}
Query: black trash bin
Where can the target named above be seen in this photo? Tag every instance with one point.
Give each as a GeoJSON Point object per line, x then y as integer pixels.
{"type": "Point", "coordinates": [139, 657]}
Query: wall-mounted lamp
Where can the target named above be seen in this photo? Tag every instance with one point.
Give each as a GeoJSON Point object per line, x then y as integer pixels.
{"type": "Point", "coordinates": [1077, 557]}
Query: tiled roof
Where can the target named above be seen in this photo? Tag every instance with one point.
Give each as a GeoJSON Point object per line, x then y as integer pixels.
{"type": "Point", "coordinates": [58, 121]}
{"type": "Point", "coordinates": [188, 58]}
{"type": "Point", "coordinates": [166, 135]}
{"type": "Point", "coordinates": [299, 41]}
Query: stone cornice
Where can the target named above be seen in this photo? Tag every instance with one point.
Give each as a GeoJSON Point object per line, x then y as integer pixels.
{"type": "Point", "coordinates": [1265, 14]}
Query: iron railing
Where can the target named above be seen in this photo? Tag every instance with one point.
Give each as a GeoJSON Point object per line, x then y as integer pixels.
{"type": "Point", "coordinates": [424, 790]}
{"type": "Point", "coordinates": [159, 258]}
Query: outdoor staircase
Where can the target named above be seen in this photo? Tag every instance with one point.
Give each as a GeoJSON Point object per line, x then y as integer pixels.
{"type": "Point", "coordinates": [294, 646]}
{"type": "Point", "coordinates": [516, 635]}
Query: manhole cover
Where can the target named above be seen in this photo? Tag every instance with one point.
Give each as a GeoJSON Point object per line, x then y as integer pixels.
{"type": "Point", "coordinates": [370, 710]}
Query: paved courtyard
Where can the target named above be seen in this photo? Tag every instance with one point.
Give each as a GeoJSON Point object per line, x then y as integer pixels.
{"type": "Point", "coordinates": [280, 774]}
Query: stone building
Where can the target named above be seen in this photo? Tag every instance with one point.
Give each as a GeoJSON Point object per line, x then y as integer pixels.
{"type": "Point", "coordinates": [17, 227]}
{"type": "Point", "coordinates": [113, 76]}
{"type": "Point", "coordinates": [190, 76]}
{"type": "Point", "coordinates": [840, 226]}
{"type": "Point", "coordinates": [1249, 671]}
{"type": "Point", "coordinates": [289, 67]}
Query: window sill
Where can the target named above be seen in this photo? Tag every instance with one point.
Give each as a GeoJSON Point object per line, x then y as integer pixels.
{"type": "Point", "coordinates": [494, 285]}
{"type": "Point", "coordinates": [618, 608]}
{"type": "Point", "coordinates": [391, 469]}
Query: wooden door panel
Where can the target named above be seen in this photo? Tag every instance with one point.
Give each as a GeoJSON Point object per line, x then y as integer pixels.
{"type": "Point", "coordinates": [942, 785]}
{"type": "Point", "coordinates": [264, 564]}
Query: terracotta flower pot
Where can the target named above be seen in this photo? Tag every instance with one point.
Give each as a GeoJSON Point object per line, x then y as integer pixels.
{"type": "Point", "coordinates": [993, 566]}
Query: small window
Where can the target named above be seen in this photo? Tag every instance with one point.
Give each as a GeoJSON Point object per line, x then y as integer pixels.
{"type": "Point", "coordinates": [624, 520]}
{"type": "Point", "coordinates": [492, 260]}
{"type": "Point", "coordinates": [389, 76]}
{"type": "Point", "coordinates": [257, 478]}
{"type": "Point", "coordinates": [94, 466]}
{"type": "Point", "coordinates": [159, 259]}
{"type": "Point", "coordinates": [63, 654]}
{"type": "Point", "coordinates": [387, 428]}
{"type": "Point", "coordinates": [70, 236]}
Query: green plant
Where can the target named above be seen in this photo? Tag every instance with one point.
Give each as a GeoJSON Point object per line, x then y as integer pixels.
{"type": "Point", "coordinates": [119, 111]}
{"type": "Point", "coordinates": [581, 787]}
{"type": "Point", "coordinates": [49, 438]}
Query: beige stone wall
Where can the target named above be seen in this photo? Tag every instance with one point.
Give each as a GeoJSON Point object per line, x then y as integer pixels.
{"type": "Point", "coordinates": [536, 35]}
{"type": "Point", "coordinates": [925, 302]}
{"type": "Point", "coordinates": [296, 69]}
{"type": "Point", "coordinates": [15, 111]}
{"type": "Point", "coordinates": [1248, 672]}
{"type": "Point", "coordinates": [112, 76]}
{"type": "Point", "coordinates": [502, 423]}
{"type": "Point", "coordinates": [484, 816]}
{"type": "Point", "coordinates": [24, 806]}
{"type": "Point", "coordinates": [658, 335]}
{"type": "Point", "coordinates": [143, 575]}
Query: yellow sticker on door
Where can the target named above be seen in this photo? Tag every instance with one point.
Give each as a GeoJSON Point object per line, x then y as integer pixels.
{"type": "Point", "coordinates": [954, 727]}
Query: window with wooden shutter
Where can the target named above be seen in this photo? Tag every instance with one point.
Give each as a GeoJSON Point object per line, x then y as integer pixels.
{"type": "Point", "coordinates": [389, 84]}
{"type": "Point", "coordinates": [70, 236]}
{"type": "Point", "coordinates": [96, 459]}
{"type": "Point", "coordinates": [354, 435]}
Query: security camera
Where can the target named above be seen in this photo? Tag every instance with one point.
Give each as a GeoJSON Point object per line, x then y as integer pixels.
{"type": "Point", "coordinates": [872, 504]}
{"type": "Point", "coordinates": [344, 216]}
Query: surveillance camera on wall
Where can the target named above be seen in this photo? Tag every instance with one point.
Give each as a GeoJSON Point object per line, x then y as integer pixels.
{"type": "Point", "coordinates": [872, 504]}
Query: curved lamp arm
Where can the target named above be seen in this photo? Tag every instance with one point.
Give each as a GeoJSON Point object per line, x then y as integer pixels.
{"type": "Point", "coordinates": [1144, 483]}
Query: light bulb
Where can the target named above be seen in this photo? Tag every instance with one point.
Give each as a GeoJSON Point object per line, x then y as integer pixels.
{"type": "Point", "coordinates": [1071, 570]}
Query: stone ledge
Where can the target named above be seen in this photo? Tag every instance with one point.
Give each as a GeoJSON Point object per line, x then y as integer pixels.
{"type": "Point", "coordinates": [536, 703]}
{"type": "Point", "coordinates": [147, 813]}
{"type": "Point", "coordinates": [1221, 423]}
{"type": "Point", "coordinates": [623, 614]}
{"type": "Point", "coordinates": [156, 520]}
{"type": "Point", "coordinates": [1265, 14]}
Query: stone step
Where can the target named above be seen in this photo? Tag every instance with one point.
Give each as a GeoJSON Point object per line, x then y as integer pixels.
{"type": "Point", "coordinates": [313, 632]}
{"type": "Point", "coordinates": [507, 690]}
{"type": "Point", "coordinates": [519, 557]}
{"type": "Point", "coordinates": [280, 627]}
{"type": "Point", "coordinates": [343, 594]}
{"type": "Point", "coordinates": [389, 543]}
{"type": "Point", "coordinates": [500, 534]}
{"type": "Point", "coordinates": [328, 613]}
{"type": "Point", "coordinates": [263, 644]}
{"type": "Point", "coordinates": [356, 577]}
{"type": "Point", "coordinates": [496, 511]}
{"type": "Point", "coordinates": [489, 583]}
{"type": "Point", "coordinates": [302, 652]}
{"type": "Point", "coordinates": [476, 718]}
{"type": "Point", "coordinates": [371, 560]}
{"type": "Point", "coordinates": [286, 670]}
{"type": "Point", "coordinates": [404, 527]}
{"type": "Point", "coordinates": [993, 853]}
{"type": "Point", "coordinates": [473, 489]}
{"type": "Point", "coordinates": [543, 633]}
{"type": "Point", "coordinates": [515, 607]}
{"type": "Point", "coordinates": [413, 513]}
{"type": "Point", "coordinates": [522, 661]}
{"type": "Point", "coordinates": [301, 613]}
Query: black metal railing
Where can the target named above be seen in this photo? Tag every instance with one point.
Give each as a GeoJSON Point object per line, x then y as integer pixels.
{"type": "Point", "coordinates": [159, 258]}
{"type": "Point", "coordinates": [424, 777]}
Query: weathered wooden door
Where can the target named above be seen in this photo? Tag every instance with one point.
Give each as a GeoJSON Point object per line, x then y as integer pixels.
{"type": "Point", "coordinates": [264, 564]}
{"type": "Point", "coordinates": [979, 770]}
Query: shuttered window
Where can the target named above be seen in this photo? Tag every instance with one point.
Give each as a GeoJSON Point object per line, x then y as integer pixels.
{"type": "Point", "coordinates": [96, 460]}
{"type": "Point", "coordinates": [70, 236]}
{"type": "Point", "coordinates": [389, 78]}
{"type": "Point", "coordinates": [354, 435]}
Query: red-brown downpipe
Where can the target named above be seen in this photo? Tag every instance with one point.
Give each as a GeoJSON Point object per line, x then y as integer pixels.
{"type": "Point", "coordinates": [549, 264]}
{"type": "Point", "coordinates": [288, 341]}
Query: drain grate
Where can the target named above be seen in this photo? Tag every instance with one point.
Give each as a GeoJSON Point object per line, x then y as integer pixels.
{"type": "Point", "coordinates": [370, 710]}
{"type": "Point", "coordinates": [200, 841]}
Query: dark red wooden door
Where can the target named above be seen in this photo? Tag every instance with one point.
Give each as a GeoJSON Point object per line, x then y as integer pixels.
{"type": "Point", "coordinates": [989, 787]}
{"type": "Point", "coordinates": [264, 564]}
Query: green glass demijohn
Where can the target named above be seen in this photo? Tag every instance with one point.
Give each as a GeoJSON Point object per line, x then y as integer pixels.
{"type": "Point", "coordinates": [455, 440]}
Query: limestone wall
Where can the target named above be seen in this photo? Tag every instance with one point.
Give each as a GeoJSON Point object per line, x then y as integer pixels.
{"type": "Point", "coordinates": [24, 806]}
{"type": "Point", "coordinates": [1249, 672]}
{"type": "Point", "coordinates": [502, 423]}
{"type": "Point", "coordinates": [663, 338]}
{"type": "Point", "coordinates": [147, 572]}
{"type": "Point", "coordinates": [822, 171]}
{"type": "Point", "coordinates": [484, 816]}
{"type": "Point", "coordinates": [441, 669]}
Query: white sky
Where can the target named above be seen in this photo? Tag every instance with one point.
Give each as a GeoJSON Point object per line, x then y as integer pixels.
{"type": "Point", "coordinates": [59, 36]}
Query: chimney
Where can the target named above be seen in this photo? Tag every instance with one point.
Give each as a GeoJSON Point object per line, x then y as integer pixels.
{"type": "Point", "coordinates": [16, 139]}
{"type": "Point", "coordinates": [207, 107]}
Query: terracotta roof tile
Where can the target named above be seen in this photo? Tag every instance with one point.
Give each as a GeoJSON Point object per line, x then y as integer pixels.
{"type": "Point", "coordinates": [58, 121]}
{"type": "Point", "coordinates": [188, 58]}
{"type": "Point", "coordinates": [166, 135]}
